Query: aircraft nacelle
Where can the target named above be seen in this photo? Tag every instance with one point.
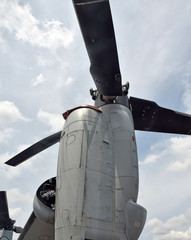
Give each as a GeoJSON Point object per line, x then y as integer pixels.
{"type": "Point", "coordinates": [97, 178]}
{"type": "Point", "coordinates": [44, 201]}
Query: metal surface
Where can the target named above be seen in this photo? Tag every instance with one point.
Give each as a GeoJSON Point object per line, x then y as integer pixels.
{"type": "Point", "coordinates": [148, 116]}
{"type": "Point", "coordinates": [5, 221]}
{"type": "Point", "coordinates": [97, 29]}
{"type": "Point", "coordinates": [37, 229]}
{"type": "Point", "coordinates": [6, 234]}
{"type": "Point", "coordinates": [44, 201]}
{"type": "Point", "coordinates": [97, 176]}
{"type": "Point", "coordinates": [99, 100]}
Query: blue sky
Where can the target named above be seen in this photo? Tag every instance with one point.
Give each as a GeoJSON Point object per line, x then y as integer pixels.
{"type": "Point", "coordinates": [45, 71]}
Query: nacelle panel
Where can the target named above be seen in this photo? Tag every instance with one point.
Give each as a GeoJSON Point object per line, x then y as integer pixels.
{"type": "Point", "coordinates": [44, 201]}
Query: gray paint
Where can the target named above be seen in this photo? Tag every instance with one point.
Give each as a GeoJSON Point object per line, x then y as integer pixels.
{"type": "Point", "coordinates": [97, 179]}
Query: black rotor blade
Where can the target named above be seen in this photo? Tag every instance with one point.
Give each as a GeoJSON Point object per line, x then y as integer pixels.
{"type": "Point", "coordinates": [96, 25]}
{"type": "Point", "coordinates": [148, 116]}
{"type": "Point", "coordinates": [34, 149]}
{"type": "Point", "coordinates": [5, 221]}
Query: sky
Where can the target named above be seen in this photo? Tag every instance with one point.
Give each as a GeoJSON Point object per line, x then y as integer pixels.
{"type": "Point", "coordinates": [44, 70]}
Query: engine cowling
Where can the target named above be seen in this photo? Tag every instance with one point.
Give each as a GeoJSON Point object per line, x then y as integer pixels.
{"type": "Point", "coordinates": [44, 201]}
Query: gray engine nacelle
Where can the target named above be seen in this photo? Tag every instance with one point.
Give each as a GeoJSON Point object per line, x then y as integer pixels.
{"type": "Point", "coordinates": [44, 201]}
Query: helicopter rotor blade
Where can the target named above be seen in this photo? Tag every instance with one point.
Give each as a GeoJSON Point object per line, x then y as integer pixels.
{"type": "Point", "coordinates": [94, 17]}
{"type": "Point", "coordinates": [148, 116]}
{"type": "Point", "coordinates": [5, 220]}
{"type": "Point", "coordinates": [34, 149]}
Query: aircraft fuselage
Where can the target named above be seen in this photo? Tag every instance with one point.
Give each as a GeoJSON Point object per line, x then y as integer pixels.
{"type": "Point", "coordinates": [97, 178]}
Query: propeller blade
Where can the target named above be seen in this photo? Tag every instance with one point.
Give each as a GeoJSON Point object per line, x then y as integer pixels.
{"type": "Point", "coordinates": [148, 116]}
{"type": "Point", "coordinates": [5, 221]}
{"type": "Point", "coordinates": [34, 149]}
{"type": "Point", "coordinates": [94, 17]}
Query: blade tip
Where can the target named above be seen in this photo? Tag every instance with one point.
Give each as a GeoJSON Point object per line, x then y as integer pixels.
{"type": "Point", "coordinates": [10, 164]}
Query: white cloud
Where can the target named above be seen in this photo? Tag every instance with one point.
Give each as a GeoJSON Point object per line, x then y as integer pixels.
{"type": "Point", "coordinates": [9, 113]}
{"type": "Point", "coordinates": [180, 164]}
{"type": "Point", "coordinates": [3, 44]}
{"type": "Point", "coordinates": [158, 42]}
{"type": "Point", "coordinates": [54, 121]}
{"type": "Point", "coordinates": [39, 80]}
{"type": "Point", "coordinates": [180, 151]}
{"type": "Point", "coordinates": [177, 227]}
{"type": "Point", "coordinates": [164, 184]}
{"type": "Point", "coordinates": [55, 35]}
{"type": "Point", "coordinates": [44, 61]}
{"type": "Point", "coordinates": [187, 95]}
{"type": "Point", "coordinates": [7, 172]}
{"type": "Point", "coordinates": [176, 151]}
{"type": "Point", "coordinates": [151, 158]}
{"type": "Point", "coordinates": [60, 83]}
{"type": "Point", "coordinates": [15, 212]}
{"type": "Point", "coordinates": [19, 20]}
{"type": "Point", "coordinates": [15, 195]}
{"type": "Point", "coordinates": [6, 134]}
{"type": "Point", "coordinates": [149, 50]}
{"type": "Point", "coordinates": [68, 81]}
{"type": "Point", "coordinates": [186, 98]}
